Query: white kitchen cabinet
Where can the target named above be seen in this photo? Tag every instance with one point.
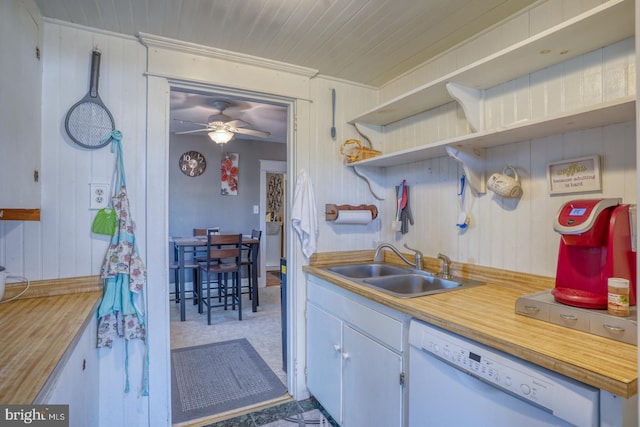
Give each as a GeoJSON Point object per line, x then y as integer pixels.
{"type": "Point", "coordinates": [596, 28]}
{"type": "Point", "coordinates": [372, 382]}
{"type": "Point", "coordinates": [324, 359]}
{"type": "Point", "coordinates": [20, 105]}
{"type": "Point", "coordinates": [75, 381]}
{"type": "Point", "coordinates": [355, 357]}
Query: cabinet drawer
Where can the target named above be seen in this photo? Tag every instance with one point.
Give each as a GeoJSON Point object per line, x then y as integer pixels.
{"type": "Point", "coordinates": [372, 322]}
{"type": "Point", "coordinates": [621, 329]}
{"type": "Point", "coordinates": [569, 317]}
{"type": "Point", "coordinates": [532, 309]}
{"type": "Point", "coordinates": [377, 325]}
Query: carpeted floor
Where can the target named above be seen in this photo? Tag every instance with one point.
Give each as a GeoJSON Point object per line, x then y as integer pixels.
{"type": "Point", "coordinates": [262, 328]}
{"type": "Point", "coordinates": [213, 378]}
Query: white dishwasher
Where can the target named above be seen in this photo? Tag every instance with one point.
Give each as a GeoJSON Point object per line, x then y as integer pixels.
{"type": "Point", "coordinates": [454, 381]}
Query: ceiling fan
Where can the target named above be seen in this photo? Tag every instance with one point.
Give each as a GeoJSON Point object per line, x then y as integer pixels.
{"type": "Point", "coordinates": [222, 128]}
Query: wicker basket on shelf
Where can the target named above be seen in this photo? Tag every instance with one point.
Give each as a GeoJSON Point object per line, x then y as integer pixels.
{"type": "Point", "coordinates": [354, 151]}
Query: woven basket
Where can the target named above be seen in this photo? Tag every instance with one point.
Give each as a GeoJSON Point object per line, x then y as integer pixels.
{"type": "Point", "coordinates": [354, 151]}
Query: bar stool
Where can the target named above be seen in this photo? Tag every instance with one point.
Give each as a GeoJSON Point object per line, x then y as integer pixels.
{"type": "Point", "coordinates": [188, 265]}
{"type": "Point", "coordinates": [223, 259]}
{"type": "Point", "coordinates": [247, 261]}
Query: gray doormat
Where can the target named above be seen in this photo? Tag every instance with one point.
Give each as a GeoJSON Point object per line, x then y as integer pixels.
{"type": "Point", "coordinates": [214, 378]}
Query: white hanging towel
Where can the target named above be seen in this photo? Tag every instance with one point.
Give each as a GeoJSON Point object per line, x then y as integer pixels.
{"type": "Point", "coordinates": [303, 214]}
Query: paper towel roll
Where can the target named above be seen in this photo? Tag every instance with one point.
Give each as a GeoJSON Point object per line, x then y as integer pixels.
{"type": "Point", "coordinates": [353, 217]}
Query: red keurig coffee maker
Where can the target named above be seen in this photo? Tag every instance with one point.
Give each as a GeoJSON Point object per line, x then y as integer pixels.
{"type": "Point", "coordinates": [595, 244]}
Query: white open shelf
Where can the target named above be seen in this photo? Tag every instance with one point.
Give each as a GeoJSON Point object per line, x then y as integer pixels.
{"type": "Point", "coordinates": [601, 26]}
{"type": "Point", "coordinates": [611, 112]}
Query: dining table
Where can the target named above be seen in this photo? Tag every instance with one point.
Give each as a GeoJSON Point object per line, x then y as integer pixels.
{"type": "Point", "coordinates": [193, 244]}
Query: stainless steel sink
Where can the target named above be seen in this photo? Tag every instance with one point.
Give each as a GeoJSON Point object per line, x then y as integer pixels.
{"type": "Point", "coordinates": [363, 271]}
{"type": "Point", "coordinates": [399, 281]}
{"type": "Point", "coordinates": [410, 284]}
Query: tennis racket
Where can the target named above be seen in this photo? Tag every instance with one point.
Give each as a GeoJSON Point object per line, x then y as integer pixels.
{"type": "Point", "coordinates": [89, 123]}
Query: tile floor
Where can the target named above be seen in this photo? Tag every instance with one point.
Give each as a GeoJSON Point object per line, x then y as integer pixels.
{"type": "Point", "coordinates": [274, 413]}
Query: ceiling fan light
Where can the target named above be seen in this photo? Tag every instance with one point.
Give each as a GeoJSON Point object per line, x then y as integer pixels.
{"type": "Point", "coordinates": [221, 136]}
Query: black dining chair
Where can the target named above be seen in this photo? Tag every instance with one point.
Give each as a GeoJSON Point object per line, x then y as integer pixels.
{"type": "Point", "coordinates": [188, 265]}
{"type": "Point", "coordinates": [247, 253]}
{"type": "Point", "coordinates": [199, 257]}
{"type": "Point", "coordinates": [222, 260]}
{"type": "Point", "coordinates": [203, 231]}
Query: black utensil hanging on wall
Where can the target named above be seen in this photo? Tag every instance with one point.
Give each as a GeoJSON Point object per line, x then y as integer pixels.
{"type": "Point", "coordinates": [89, 123]}
{"type": "Point", "coordinates": [333, 113]}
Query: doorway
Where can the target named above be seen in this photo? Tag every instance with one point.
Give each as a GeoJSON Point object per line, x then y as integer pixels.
{"type": "Point", "coordinates": [262, 329]}
{"type": "Point", "coordinates": [273, 186]}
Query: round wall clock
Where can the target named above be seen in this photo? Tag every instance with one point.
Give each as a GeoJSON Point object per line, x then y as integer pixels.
{"type": "Point", "coordinates": [192, 163]}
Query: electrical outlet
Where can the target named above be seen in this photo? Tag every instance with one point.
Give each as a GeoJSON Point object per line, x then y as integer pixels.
{"type": "Point", "coordinates": [99, 196]}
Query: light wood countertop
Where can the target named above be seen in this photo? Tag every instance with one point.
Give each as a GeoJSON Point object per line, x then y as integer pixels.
{"type": "Point", "coordinates": [487, 314]}
{"type": "Point", "coordinates": [37, 330]}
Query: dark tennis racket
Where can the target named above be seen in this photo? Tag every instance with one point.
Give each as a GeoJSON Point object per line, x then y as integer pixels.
{"type": "Point", "coordinates": [89, 123]}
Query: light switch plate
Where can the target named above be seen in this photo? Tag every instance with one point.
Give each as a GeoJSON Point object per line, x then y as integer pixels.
{"type": "Point", "coordinates": [256, 209]}
{"type": "Point", "coordinates": [99, 196]}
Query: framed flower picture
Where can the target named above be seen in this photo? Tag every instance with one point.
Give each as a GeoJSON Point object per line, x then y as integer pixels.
{"type": "Point", "coordinates": [229, 174]}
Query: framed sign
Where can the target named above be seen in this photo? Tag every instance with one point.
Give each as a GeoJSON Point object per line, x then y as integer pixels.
{"type": "Point", "coordinates": [575, 175]}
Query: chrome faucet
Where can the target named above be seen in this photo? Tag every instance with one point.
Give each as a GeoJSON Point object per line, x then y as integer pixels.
{"type": "Point", "coordinates": [379, 255]}
{"type": "Point", "coordinates": [446, 263]}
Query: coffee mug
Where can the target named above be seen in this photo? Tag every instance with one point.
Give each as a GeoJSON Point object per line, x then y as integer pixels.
{"type": "Point", "coordinates": [504, 184]}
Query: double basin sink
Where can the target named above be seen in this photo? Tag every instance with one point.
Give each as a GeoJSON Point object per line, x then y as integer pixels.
{"type": "Point", "coordinates": [401, 282]}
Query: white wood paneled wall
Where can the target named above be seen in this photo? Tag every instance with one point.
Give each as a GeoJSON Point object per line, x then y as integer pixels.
{"type": "Point", "coordinates": [333, 181]}
{"type": "Point", "coordinates": [66, 247]}
{"type": "Point", "coordinates": [511, 234]}
{"type": "Point", "coordinates": [61, 244]}
{"type": "Point", "coordinates": [516, 234]}
{"type": "Point", "coordinates": [602, 75]}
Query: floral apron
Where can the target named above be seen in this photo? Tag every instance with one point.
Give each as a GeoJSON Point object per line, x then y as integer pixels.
{"type": "Point", "coordinates": [124, 276]}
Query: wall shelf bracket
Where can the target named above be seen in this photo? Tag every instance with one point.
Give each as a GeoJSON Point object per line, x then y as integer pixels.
{"type": "Point", "coordinates": [471, 100]}
{"type": "Point", "coordinates": [473, 163]}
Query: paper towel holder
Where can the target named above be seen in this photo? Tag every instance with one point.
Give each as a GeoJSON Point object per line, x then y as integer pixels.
{"type": "Point", "coordinates": [331, 210]}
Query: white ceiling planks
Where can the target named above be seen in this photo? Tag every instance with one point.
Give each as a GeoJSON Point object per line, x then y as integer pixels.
{"type": "Point", "coordinates": [364, 41]}
{"type": "Point", "coordinates": [311, 26]}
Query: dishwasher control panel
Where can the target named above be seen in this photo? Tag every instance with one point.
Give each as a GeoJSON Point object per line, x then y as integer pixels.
{"type": "Point", "coordinates": [548, 390]}
{"type": "Point", "coordinates": [491, 369]}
